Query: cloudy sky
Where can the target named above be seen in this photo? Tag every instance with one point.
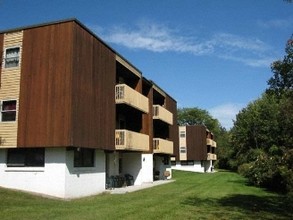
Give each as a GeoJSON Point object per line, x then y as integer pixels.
{"type": "Point", "coordinates": [210, 54]}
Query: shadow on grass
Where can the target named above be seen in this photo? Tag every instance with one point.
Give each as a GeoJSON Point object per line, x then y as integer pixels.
{"type": "Point", "coordinates": [266, 206]}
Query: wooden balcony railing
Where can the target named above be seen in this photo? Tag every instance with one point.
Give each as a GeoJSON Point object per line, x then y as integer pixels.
{"type": "Point", "coordinates": [126, 95]}
{"type": "Point", "coordinates": [162, 146]}
{"type": "Point", "coordinates": [163, 114]}
{"type": "Point", "coordinates": [211, 142]}
{"type": "Point", "coordinates": [130, 140]}
{"type": "Point", "coordinates": [211, 156]}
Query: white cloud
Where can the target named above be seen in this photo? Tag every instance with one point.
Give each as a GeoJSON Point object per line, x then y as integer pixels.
{"type": "Point", "coordinates": [260, 62]}
{"type": "Point", "coordinates": [156, 38]}
{"type": "Point", "coordinates": [160, 38]}
{"type": "Point", "coordinates": [276, 23]}
{"type": "Point", "coordinates": [226, 113]}
{"type": "Point", "coordinates": [240, 43]}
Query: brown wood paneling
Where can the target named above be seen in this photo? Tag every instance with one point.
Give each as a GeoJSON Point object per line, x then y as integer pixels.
{"type": "Point", "coordinates": [147, 119]}
{"type": "Point", "coordinates": [94, 107]}
{"type": "Point", "coordinates": [171, 105]}
{"type": "Point", "coordinates": [1, 54]}
{"type": "Point", "coordinates": [45, 88]}
{"type": "Point", "coordinates": [196, 142]}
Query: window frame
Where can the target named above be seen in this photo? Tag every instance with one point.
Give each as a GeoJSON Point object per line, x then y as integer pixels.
{"type": "Point", "coordinates": [6, 66]}
{"type": "Point", "coordinates": [182, 134]}
{"type": "Point", "coordinates": [187, 163]}
{"type": "Point", "coordinates": [6, 111]}
{"type": "Point", "coordinates": [181, 149]}
{"type": "Point", "coordinates": [31, 157]}
{"type": "Point", "coordinates": [80, 159]}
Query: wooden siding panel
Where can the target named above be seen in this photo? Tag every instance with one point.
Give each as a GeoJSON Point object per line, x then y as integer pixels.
{"type": "Point", "coordinates": [1, 54]}
{"type": "Point", "coordinates": [147, 119]}
{"type": "Point", "coordinates": [196, 143]}
{"type": "Point", "coordinates": [93, 92]}
{"type": "Point", "coordinates": [10, 83]}
{"type": "Point", "coordinates": [45, 91]}
{"type": "Point", "coordinates": [171, 105]}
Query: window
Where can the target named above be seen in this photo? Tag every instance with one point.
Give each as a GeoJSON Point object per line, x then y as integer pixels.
{"type": "Point", "coordinates": [166, 160]}
{"type": "Point", "coordinates": [182, 134]}
{"type": "Point", "coordinates": [84, 157]}
{"type": "Point", "coordinates": [8, 110]}
{"type": "Point", "coordinates": [12, 57]}
{"type": "Point", "coordinates": [26, 157]}
{"type": "Point", "coordinates": [186, 162]}
{"type": "Point", "coordinates": [182, 150]}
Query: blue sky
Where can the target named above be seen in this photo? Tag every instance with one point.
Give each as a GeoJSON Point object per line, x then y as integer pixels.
{"type": "Point", "coordinates": [210, 54]}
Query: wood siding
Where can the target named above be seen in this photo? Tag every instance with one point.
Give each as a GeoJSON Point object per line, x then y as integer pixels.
{"type": "Point", "coordinates": [67, 90]}
{"type": "Point", "coordinates": [147, 119]}
{"type": "Point", "coordinates": [94, 76]}
{"type": "Point", "coordinates": [10, 84]}
{"type": "Point", "coordinates": [1, 54]}
{"type": "Point", "coordinates": [196, 143]}
{"type": "Point", "coordinates": [45, 90]}
{"type": "Point", "coordinates": [171, 105]}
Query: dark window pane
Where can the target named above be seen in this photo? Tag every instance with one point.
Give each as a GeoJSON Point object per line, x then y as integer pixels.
{"type": "Point", "coordinates": [11, 62]}
{"type": "Point", "coordinates": [77, 158]}
{"type": "Point", "coordinates": [16, 157]}
{"type": "Point", "coordinates": [84, 157]}
{"type": "Point", "coordinates": [35, 157]}
{"type": "Point", "coordinates": [26, 157]}
{"type": "Point", "coordinates": [9, 105]}
{"type": "Point", "coordinates": [8, 116]}
{"type": "Point", "coordinates": [8, 110]}
{"type": "Point", "coordinates": [12, 57]}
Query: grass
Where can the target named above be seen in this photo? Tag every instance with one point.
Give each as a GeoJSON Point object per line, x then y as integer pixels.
{"type": "Point", "coordinates": [221, 195]}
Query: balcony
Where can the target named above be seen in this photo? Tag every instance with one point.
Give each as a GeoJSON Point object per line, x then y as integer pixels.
{"type": "Point", "coordinates": [211, 156]}
{"type": "Point", "coordinates": [162, 114]}
{"type": "Point", "coordinates": [162, 146]}
{"type": "Point", "coordinates": [211, 142]}
{"type": "Point", "coordinates": [130, 140]}
{"type": "Point", "coordinates": [126, 95]}
{"type": "Point", "coordinates": [214, 144]}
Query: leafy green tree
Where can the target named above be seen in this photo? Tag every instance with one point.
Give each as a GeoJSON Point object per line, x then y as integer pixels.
{"type": "Point", "coordinates": [256, 126]}
{"type": "Point", "coordinates": [262, 136]}
{"type": "Point", "coordinates": [196, 116]}
{"type": "Point", "coordinates": [282, 80]}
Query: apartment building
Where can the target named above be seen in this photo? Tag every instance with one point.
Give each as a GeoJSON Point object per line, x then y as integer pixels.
{"type": "Point", "coordinates": [75, 113]}
{"type": "Point", "coordinates": [197, 149]}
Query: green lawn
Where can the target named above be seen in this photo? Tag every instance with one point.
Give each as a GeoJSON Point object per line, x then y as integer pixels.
{"type": "Point", "coordinates": [221, 195]}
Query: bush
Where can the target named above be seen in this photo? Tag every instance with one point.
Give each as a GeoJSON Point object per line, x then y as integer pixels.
{"type": "Point", "coordinates": [245, 169]}
{"type": "Point", "coordinates": [271, 172]}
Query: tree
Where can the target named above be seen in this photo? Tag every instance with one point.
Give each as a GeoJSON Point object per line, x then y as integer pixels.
{"type": "Point", "coordinates": [281, 84]}
{"type": "Point", "coordinates": [262, 135]}
{"type": "Point", "coordinates": [256, 127]}
{"type": "Point", "coordinates": [282, 80]}
{"type": "Point", "coordinates": [196, 116]}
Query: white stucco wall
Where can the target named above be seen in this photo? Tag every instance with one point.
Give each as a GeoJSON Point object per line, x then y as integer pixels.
{"type": "Point", "coordinates": [147, 168]}
{"type": "Point", "coordinates": [192, 168]}
{"type": "Point", "coordinates": [86, 180]}
{"type": "Point", "coordinates": [45, 180]}
{"type": "Point", "coordinates": [139, 165]}
{"type": "Point", "coordinates": [58, 177]}
{"type": "Point", "coordinates": [131, 164]}
{"type": "Point", "coordinates": [160, 166]}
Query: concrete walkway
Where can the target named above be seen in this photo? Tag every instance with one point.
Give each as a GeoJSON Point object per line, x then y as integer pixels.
{"type": "Point", "coordinates": [129, 189]}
